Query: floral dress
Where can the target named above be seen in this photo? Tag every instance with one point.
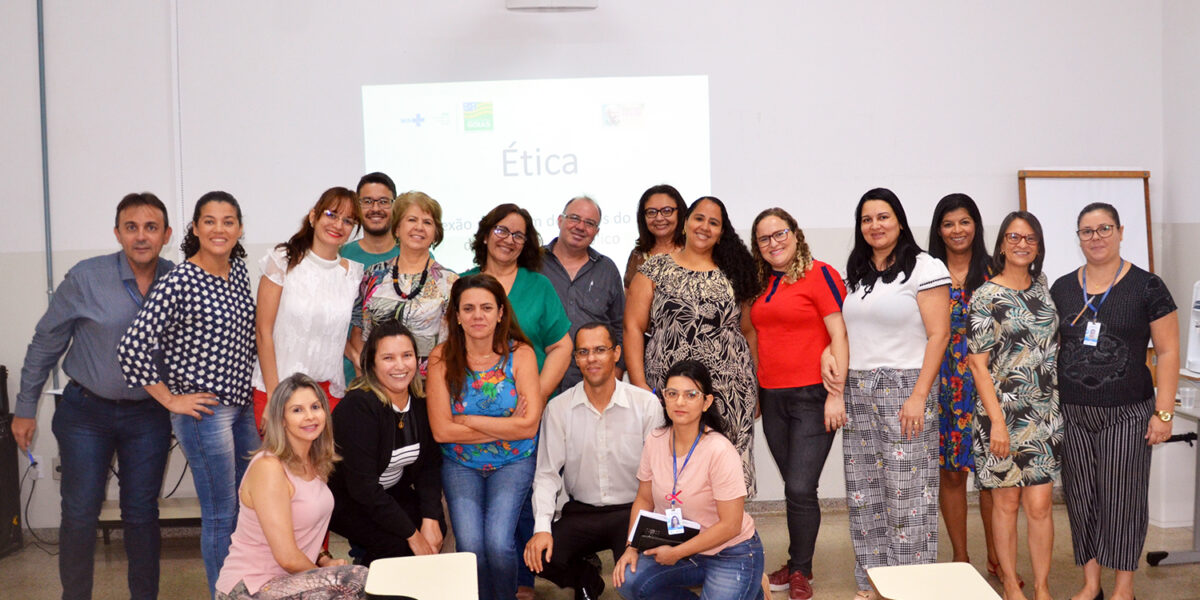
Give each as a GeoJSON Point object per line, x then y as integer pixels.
{"type": "Point", "coordinates": [957, 399]}
{"type": "Point", "coordinates": [694, 316]}
{"type": "Point", "coordinates": [1018, 329]}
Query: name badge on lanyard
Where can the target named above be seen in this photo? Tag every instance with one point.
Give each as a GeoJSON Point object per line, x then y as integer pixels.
{"type": "Point", "coordinates": [1091, 335]}
{"type": "Point", "coordinates": [674, 514]}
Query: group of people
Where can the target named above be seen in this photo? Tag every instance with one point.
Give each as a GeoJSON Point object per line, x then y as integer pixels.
{"type": "Point", "coordinates": [366, 382]}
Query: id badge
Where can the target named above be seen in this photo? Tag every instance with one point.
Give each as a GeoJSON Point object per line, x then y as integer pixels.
{"type": "Point", "coordinates": [1091, 336]}
{"type": "Point", "coordinates": [674, 521]}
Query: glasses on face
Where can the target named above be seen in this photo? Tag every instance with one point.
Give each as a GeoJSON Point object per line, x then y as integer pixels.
{"type": "Point", "coordinates": [1015, 238]}
{"type": "Point", "coordinates": [672, 394]}
{"type": "Point", "coordinates": [502, 232]}
{"type": "Point", "coordinates": [380, 202]}
{"type": "Point", "coordinates": [598, 352]}
{"type": "Point", "coordinates": [347, 221]}
{"type": "Point", "coordinates": [652, 213]}
{"type": "Point", "coordinates": [576, 219]}
{"type": "Point", "coordinates": [1088, 233]}
{"type": "Point", "coordinates": [779, 236]}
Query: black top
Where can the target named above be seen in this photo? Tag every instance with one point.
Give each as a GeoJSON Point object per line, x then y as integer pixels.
{"type": "Point", "coordinates": [1113, 372]}
{"type": "Point", "coordinates": [365, 432]}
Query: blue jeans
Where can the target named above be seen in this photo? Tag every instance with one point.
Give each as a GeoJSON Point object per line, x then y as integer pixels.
{"type": "Point", "coordinates": [483, 510]}
{"type": "Point", "coordinates": [89, 431]}
{"type": "Point", "coordinates": [734, 573]}
{"type": "Point", "coordinates": [218, 449]}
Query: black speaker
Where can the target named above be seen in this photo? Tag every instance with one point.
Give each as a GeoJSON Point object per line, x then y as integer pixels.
{"type": "Point", "coordinates": [10, 490]}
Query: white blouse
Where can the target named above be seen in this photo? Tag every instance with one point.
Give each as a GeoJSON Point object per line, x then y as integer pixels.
{"type": "Point", "coordinates": [313, 317]}
{"type": "Point", "coordinates": [884, 326]}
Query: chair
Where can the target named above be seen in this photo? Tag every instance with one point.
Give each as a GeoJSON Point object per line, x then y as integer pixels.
{"type": "Point", "coordinates": [434, 577]}
{"type": "Point", "coordinates": [939, 580]}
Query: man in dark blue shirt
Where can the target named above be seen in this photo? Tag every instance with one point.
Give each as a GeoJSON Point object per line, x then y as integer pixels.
{"type": "Point", "coordinates": [98, 414]}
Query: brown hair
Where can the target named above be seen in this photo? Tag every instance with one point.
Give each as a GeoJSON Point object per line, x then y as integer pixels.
{"type": "Point", "coordinates": [801, 263]}
{"type": "Point", "coordinates": [454, 352]}
{"type": "Point", "coordinates": [531, 253]}
{"type": "Point", "coordinates": [366, 361]}
{"type": "Point", "coordinates": [425, 203]}
{"type": "Point", "coordinates": [301, 242]}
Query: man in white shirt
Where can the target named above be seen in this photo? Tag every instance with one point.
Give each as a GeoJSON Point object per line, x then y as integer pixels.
{"type": "Point", "coordinates": [591, 444]}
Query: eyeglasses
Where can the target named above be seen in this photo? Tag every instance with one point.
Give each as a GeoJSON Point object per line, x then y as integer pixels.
{"type": "Point", "coordinates": [598, 352]}
{"type": "Point", "coordinates": [1015, 238]}
{"type": "Point", "coordinates": [673, 394]}
{"type": "Point", "coordinates": [576, 219]}
{"type": "Point", "coordinates": [1088, 233]}
{"type": "Point", "coordinates": [380, 202]}
{"type": "Point", "coordinates": [654, 212]}
{"type": "Point", "coordinates": [779, 236]}
{"type": "Point", "coordinates": [347, 221]}
{"type": "Point", "coordinates": [502, 232]}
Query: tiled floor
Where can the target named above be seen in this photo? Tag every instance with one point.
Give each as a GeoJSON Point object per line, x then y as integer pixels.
{"type": "Point", "coordinates": [32, 574]}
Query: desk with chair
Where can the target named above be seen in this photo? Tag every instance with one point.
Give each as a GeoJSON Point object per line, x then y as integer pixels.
{"type": "Point", "coordinates": [434, 577]}
{"type": "Point", "coordinates": [939, 580]}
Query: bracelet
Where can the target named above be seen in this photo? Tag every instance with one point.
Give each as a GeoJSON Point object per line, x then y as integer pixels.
{"type": "Point", "coordinates": [324, 554]}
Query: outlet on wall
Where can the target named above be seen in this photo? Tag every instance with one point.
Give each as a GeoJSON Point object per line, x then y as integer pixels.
{"type": "Point", "coordinates": [56, 468]}
{"type": "Point", "coordinates": [38, 467]}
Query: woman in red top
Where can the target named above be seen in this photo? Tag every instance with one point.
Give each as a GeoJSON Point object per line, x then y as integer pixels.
{"type": "Point", "coordinates": [797, 315]}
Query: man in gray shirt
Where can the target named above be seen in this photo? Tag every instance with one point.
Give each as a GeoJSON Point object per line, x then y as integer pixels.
{"type": "Point", "coordinates": [587, 282]}
{"type": "Point", "coordinates": [98, 414]}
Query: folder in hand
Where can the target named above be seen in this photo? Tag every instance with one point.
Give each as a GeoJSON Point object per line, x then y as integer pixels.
{"type": "Point", "coordinates": [650, 531]}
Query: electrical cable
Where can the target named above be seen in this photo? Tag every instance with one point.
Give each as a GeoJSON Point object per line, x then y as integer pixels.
{"type": "Point", "coordinates": [32, 489]}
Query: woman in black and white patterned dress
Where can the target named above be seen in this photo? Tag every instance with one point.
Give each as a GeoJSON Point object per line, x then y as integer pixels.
{"type": "Point", "coordinates": [200, 321]}
{"type": "Point", "coordinates": [692, 301]}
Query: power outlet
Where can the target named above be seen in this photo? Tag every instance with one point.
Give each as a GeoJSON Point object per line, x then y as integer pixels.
{"type": "Point", "coordinates": [56, 468]}
{"type": "Point", "coordinates": [38, 467]}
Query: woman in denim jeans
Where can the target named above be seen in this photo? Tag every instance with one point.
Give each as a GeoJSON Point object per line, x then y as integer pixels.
{"type": "Point", "coordinates": [690, 466]}
{"type": "Point", "coordinates": [485, 406]}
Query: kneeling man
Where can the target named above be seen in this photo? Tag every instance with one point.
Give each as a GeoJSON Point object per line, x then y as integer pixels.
{"type": "Point", "coordinates": [591, 444]}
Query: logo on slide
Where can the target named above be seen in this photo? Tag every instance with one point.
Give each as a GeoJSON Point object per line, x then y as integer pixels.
{"type": "Point", "coordinates": [477, 116]}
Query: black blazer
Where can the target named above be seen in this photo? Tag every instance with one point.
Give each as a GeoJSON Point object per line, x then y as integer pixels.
{"type": "Point", "coordinates": [364, 430]}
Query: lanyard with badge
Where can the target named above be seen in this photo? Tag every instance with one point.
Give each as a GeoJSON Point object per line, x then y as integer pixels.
{"type": "Point", "coordinates": [132, 289]}
{"type": "Point", "coordinates": [674, 514]}
{"type": "Point", "coordinates": [1091, 335]}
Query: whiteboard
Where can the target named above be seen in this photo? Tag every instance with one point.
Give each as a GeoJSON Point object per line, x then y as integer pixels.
{"type": "Point", "coordinates": [1056, 197]}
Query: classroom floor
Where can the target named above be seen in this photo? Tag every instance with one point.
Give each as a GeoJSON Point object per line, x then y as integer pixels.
{"type": "Point", "coordinates": [33, 574]}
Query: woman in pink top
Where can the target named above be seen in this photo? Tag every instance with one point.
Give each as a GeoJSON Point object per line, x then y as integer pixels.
{"type": "Point", "coordinates": [275, 552]}
{"type": "Point", "coordinates": [691, 466]}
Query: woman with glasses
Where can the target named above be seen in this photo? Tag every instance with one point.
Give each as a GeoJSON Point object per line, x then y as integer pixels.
{"type": "Point", "coordinates": [412, 288]}
{"type": "Point", "coordinates": [484, 408]}
{"type": "Point", "coordinates": [200, 320]}
{"type": "Point", "coordinates": [691, 472]}
{"type": "Point", "coordinates": [1108, 310]}
{"type": "Point", "coordinates": [304, 300]}
{"type": "Point", "coordinates": [897, 314]}
{"type": "Point", "coordinates": [796, 316]}
{"type": "Point", "coordinates": [691, 302]}
{"type": "Point", "coordinates": [1013, 347]}
{"type": "Point", "coordinates": [660, 227]}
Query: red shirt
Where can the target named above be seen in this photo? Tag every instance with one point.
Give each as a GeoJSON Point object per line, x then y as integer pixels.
{"type": "Point", "coordinates": [789, 319]}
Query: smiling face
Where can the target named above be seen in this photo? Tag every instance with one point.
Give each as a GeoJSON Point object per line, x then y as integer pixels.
{"type": "Point", "coordinates": [879, 225]}
{"type": "Point", "coordinates": [395, 364]}
{"type": "Point", "coordinates": [1099, 250]}
{"type": "Point", "coordinates": [141, 233]}
{"type": "Point", "coordinates": [416, 229]}
{"type": "Point", "coordinates": [376, 216]}
{"type": "Point", "coordinates": [661, 226]}
{"type": "Point", "coordinates": [506, 250]}
{"type": "Point", "coordinates": [598, 367]}
{"type": "Point", "coordinates": [958, 231]}
{"type": "Point", "coordinates": [303, 417]}
{"type": "Point", "coordinates": [578, 225]}
{"type": "Point", "coordinates": [218, 229]}
{"type": "Point", "coordinates": [1022, 253]}
{"type": "Point", "coordinates": [777, 254]}
{"type": "Point", "coordinates": [330, 232]}
{"type": "Point", "coordinates": [478, 313]}
{"type": "Point", "coordinates": [703, 226]}
{"type": "Point", "coordinates": [684, 401]}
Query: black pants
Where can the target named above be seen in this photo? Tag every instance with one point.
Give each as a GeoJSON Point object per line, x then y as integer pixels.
{"type": "Point", "coordinates": [353, 522]}
{"type": "Point", "coordinates": [794, 425]}
{"type": "Point", "coordinates": [584, 530]}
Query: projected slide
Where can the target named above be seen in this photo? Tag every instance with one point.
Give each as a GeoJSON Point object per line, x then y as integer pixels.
{"type": "Point", "coordinates": [538, 143]}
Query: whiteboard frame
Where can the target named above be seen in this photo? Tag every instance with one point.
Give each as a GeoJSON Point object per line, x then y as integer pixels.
{"type": "Point", "coordinates": [1022, 175]}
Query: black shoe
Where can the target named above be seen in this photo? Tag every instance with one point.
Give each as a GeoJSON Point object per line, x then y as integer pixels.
{"type": "Point", "coordinates": [592, 584]}
{"type": "Point", "coordinates": [1100, 595]}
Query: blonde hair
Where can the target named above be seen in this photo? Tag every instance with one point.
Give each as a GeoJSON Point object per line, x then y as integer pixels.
{"type": "Point", "coordinates": [321, 455]}
{"type": "Point", "coordinates": [801, 263]}
{"type": "Point", "coordinates": [422, 201]}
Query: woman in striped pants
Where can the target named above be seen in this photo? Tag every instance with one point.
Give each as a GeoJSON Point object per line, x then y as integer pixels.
{"type": "Point", "coordinates": [1108, 309]}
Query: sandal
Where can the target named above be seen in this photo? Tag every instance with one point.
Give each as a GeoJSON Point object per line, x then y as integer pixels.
{"type": "Point", "coordinates": [994, 570]}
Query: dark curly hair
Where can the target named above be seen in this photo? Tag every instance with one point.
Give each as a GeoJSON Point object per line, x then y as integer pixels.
{"type": "Point", "coordinates": [531, 252]}
{"type": "Point", "coordinates": [860, 270]}
{"type": "Point", "coordinates": [698, 373]}
{"type": "Point", "coordinates": [645, 241]}
{"type": "Point", "coordinates": [731, 255]}
{"type": "Point", "coordinates": [979, 267]}
{"type": "Point", "coordinates": [191, 243]}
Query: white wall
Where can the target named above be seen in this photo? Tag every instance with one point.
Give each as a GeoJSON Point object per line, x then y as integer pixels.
{"type": "Point", "coordinates": [812, 103]}
{"type": "Point", "coordinates": [1181, 152]}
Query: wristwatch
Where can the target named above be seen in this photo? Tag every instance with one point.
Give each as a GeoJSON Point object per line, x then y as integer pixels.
{"type": "Point", "coordinates": [1165, 415]}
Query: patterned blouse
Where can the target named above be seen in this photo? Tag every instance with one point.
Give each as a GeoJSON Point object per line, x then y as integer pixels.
{"type": "Point", "coordinates": [204, 327]}
{"type": "Point", "coordinates": [424, 315]}
{"type": "Point", "coordinates": [490, 393]}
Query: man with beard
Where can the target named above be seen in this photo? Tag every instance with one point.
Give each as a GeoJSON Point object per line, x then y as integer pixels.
{"type": "Point", "coordinates": [376, 195]}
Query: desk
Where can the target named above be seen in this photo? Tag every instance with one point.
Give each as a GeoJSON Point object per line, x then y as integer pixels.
{"type": "Point", "coordinates": [939, 580]}
{"type": "Point", "coordinates": [1181, 557]}
{"type": "Point", "coordinates": [434, 577]}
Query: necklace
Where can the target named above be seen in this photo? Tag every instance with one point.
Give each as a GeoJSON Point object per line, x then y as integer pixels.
{"type": "Point", "coordinates": [417, 288]}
